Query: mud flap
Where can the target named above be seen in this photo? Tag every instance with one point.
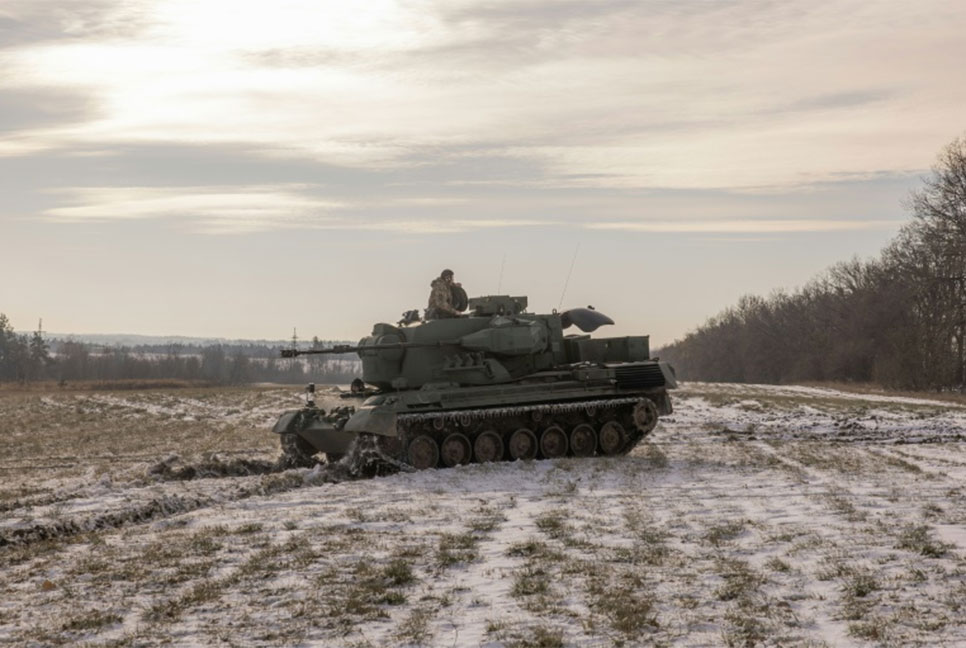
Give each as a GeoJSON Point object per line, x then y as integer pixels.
{"type": "Point", "coordinates": [374, 420]}
{"type": "Point", "coordinates": [328, 439]}
{"type": "Point", "coordinates": [286, 422]}
{"type": "Point", "coordinates": [664, 405]}
{"type": "Point", "coordinates": [670, 378]}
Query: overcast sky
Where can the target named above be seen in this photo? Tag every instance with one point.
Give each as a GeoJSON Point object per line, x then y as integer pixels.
{"type": "Point", "coordinates": [235, 168]}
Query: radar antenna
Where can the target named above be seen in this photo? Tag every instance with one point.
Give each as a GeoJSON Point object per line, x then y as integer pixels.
{"type": "Point", "coordinates": [569, 272]}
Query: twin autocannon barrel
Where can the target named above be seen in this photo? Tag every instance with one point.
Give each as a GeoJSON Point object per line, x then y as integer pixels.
{"type": "Point", "coordinates": [346, 348]}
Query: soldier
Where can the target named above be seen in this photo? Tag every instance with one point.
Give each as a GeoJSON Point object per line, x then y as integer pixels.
{"type": "Point", "coordinates": [441, 297]}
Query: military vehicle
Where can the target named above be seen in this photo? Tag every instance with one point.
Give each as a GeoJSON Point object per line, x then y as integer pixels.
{"type": "Point", "coordinates": [497, 383]}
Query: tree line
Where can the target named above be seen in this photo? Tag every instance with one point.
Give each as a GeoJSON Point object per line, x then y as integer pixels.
{"type": "Point", "coordinates": [30, 358]}
{"type": "Point", "coordinates": [898, 320]}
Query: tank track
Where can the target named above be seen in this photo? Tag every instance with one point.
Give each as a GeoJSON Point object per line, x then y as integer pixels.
{"type": "Point", "coordinates": [611, 426]}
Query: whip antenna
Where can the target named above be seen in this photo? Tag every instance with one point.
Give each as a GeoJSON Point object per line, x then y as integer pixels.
{"type": "Point", "coordinates": [569, 272]}
{"type": "Point", "coordinates": [499, 285]}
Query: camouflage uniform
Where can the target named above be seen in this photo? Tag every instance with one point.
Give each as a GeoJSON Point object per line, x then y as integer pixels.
{"type": "Point", "coordinates": [441, 300]}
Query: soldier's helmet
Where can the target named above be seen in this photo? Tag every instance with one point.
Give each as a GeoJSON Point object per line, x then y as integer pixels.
{"type": "Point", "coordinates": [446, 273]}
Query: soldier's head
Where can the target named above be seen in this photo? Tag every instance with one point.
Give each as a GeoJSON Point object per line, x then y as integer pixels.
{"type": "Point", "coordinates": [446, 275]}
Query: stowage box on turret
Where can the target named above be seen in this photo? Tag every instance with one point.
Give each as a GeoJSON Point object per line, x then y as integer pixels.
{"type": "Point", "coordinates": [496, 384]}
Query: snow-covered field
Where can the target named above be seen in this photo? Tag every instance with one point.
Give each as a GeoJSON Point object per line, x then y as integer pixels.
{"type": "Point", "coordinates": [755, 515]}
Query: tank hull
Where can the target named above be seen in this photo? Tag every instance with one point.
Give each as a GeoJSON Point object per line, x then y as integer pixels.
{"type": "Point", "coordinates": [544, 415]}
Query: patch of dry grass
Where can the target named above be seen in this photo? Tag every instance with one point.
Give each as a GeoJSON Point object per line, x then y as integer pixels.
{"type": "Point", "coordinates": [919, 539]}
{"type": "Point", "coordinates": [115, 432]}
{"type": "Point", "coordinates": [455, 548]}
{"type": "Point", "coordinates": [627, 603]}
{"type": "Point", "coordinates": [536, 636]}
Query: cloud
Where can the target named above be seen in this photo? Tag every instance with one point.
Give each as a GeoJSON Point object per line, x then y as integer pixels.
{"type": "Point", "coordinates": [438, 226]}
{"type": "Point", "coordinates": [745, 226]}
{"type": "Point", "coordinates": [840, 100]}
{"type": "Point", "coordinates": [229, 210]}
{"type": "Point", "coordinates": [31, 108]}
{"type": "Point", "coordinates": [24, 22]}
{"type": "Point", "coordinates": [206, 209]}
{"type": "Point", "coordinates": [611, 94]}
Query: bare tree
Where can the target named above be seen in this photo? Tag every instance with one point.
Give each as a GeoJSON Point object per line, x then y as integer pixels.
{"type": "Point", "coordinates": [899, 320]}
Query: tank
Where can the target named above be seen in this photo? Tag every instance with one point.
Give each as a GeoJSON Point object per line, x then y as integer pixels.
{"type": "Point", "coordinates": [498, 383]}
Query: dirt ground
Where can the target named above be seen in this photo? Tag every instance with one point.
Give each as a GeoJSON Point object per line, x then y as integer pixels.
{"type": "Point", "coordinates": [754, 515]}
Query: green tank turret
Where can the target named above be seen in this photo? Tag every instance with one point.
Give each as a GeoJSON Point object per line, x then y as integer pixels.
{"type": "Point", "coordinates": [497, 383]}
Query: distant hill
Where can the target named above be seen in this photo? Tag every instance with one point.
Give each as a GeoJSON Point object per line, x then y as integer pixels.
{"type": "Point", "coordinates": [131, 340]}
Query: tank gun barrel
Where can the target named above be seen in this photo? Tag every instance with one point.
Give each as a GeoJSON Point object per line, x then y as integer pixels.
{"type": "Point", "coordinates": [348, 348]}
{"type": "Point", "coordinates": [339, 348]}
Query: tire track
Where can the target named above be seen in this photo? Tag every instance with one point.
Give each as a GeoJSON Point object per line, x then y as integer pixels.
{"type": "Point", "coordinates": [170, 504]}
{"type": "Point", "coordinates": [160, 471]}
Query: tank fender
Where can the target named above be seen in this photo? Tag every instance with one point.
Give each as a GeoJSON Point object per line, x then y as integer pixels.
{"type": "Point", "coordinates": [326, 436]}
{"type": "Point", "coordinates": [670, 377]}
{"type": "Point", "coordinates": [287, 422]}
{"type": "Point", "coordinates": [374, 419]}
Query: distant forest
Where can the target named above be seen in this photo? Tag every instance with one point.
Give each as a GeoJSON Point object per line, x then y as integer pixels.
{"type": "Point", "coordinates": [31, 358]}
{"type": "Point", "coordinates": [898, 320]}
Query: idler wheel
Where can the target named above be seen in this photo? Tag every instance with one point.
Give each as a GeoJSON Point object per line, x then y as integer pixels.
{"type": "Point", "coordinates": [612, 438]}
{"type": "Point", "coordinates": [583, 440]}
{"type": "Point", "coordinates": [645, 415]}
{"type": "Point", "coordinates": [523, 444]}
{"type": "Point", "coordinates": [553, 442]}
{"type": "Point", "coordinates": [488, 447]}
{"type": "Point", "coordinates": [423, 453]}
{"type": "Point", "coordinates": [456, 450]}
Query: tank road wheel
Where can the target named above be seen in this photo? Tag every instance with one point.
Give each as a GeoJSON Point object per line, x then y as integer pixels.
{"type": "Point", "coordinates": [297, 452]}
{"type": "Point", "coordinates": [553, 442]}
{"type": "Point", "coordinates": [423, 453]}
{"type": "Point", "coordinates": [456, 450]}
{"type": "Point", "coordinates": [488, 447]}
{"type": "Point", "coordinates": [583, 440]}
{"type": "Point", "coordinates": [612, 438]}
{"type": "Point", "coordinates": [645, 415]}
{"type": "Point", "coordinates": [523, 444]}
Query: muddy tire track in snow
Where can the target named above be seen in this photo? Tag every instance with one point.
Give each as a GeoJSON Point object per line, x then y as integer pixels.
{"type": "Point", "coordinates": [72, 461]}
{"type": "Point", "coordinates": [145, 503]}
{"type": "Point", "coordinates": [147, 511]}
{"type": "Point", "coordinates": [169, 469]}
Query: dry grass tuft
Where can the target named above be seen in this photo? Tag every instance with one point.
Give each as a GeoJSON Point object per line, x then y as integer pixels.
{"type": "Point", "coordinates": [725, 532]}
{"type": "Point", "coordinates": [455, 548]}
{"type": "Point", "coordinates": [918, 538]}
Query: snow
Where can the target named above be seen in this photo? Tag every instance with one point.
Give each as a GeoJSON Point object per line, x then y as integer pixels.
{"type": "Point", "coordinates": [747, 517]}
